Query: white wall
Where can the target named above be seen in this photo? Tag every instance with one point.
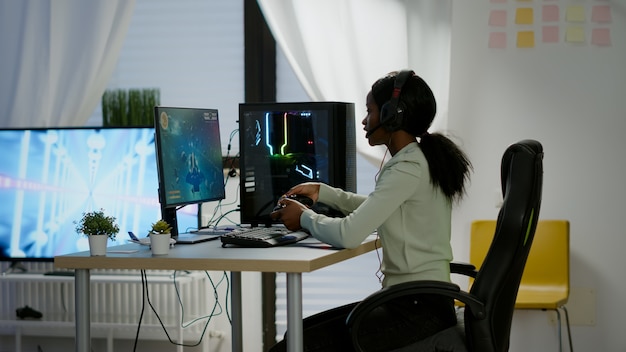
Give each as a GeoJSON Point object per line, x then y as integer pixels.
{"type": "Point", "coordinates": [569, 96]}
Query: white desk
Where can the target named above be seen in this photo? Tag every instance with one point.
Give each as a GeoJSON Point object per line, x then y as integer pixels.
{"type": "Point", "coordinates": [292, 259]}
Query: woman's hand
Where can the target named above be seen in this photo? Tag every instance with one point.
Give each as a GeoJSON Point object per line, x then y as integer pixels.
{"type": "Point", "coordinates": [288, 211]}
{"type": "Point", "coordinates": [308, 189]}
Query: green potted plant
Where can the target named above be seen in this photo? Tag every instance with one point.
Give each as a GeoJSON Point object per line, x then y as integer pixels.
{"type": "Point", "coordinates": [160, 237]}
{"type": "Point", "coordinates": [98, 227]}
{"type": "Point", "coordinates": [161, 227]}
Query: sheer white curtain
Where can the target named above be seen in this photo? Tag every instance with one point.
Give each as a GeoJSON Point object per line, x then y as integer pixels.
{"type": "Point", "coordinates": [57, 57]}
{"type": "Point", "coordinates": [339, 48]}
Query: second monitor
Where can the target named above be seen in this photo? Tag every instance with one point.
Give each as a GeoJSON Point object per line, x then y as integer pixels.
{"type": "Point", "coordinates": [189, 159]}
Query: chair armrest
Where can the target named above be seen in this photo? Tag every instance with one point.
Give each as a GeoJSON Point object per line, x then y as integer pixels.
{"type": "Point", "coordinates": [476, 307]}
{"type": "Point", "coordinates": [466, 269]}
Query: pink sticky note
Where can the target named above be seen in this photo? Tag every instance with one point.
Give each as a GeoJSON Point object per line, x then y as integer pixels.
{"type": "Point", "coordinates": [550, 34]}
{"type": "Point", "coordinates": [550, 13]}
{"type": "Point", "coordinates": [601, 13]}
{"type": "Point", "coordinates": [497, 40]}
{"type": "Point", "coordinates": [497, 18]}
{"type": "Point", "coordinates": [601, 37]}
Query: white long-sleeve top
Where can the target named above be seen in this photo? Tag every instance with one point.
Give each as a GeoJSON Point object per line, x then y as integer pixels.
{"type": "Point", "coordinates": [412, 217]}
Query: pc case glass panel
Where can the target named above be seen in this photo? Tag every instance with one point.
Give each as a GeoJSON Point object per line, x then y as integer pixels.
{"type": "Point", "coordinates": [286, 144]}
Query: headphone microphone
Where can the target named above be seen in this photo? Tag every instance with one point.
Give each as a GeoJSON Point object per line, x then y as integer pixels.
{"type": "Point", "coordinates": [371, 132]}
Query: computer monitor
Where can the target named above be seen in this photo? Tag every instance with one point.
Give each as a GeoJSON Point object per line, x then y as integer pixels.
{"type": "Point", "coordinates": [50, 176]}
{"type": "Point", "coordinates": [283, 144]}
{"type": "Point", "coordinates": [189, 159]}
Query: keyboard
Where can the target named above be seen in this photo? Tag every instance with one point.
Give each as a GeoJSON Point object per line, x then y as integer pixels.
{"type": "Point", "coordinates": [263, 237]}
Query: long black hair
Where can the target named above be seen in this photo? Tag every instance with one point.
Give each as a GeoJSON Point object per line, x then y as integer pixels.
{"type": "Point", "coordinates": [448, 165]}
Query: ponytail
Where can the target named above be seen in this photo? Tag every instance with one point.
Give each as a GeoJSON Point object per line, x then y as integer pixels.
{"type": "Point", "coordinates": [449, 166]}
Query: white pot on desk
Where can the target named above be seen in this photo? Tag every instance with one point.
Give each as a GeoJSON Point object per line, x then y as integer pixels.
{"type": "Point", "coordinates": [98, 245]}
{"type": "Point", "coordinates": [160, 243]}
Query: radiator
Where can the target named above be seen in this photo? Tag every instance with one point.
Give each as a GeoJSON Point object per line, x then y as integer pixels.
{"type": "Point", "coordinates": [117, 298]}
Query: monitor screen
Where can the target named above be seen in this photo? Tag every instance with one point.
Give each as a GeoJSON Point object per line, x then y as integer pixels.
{"type": "Point", "coordinates": [189, 158]}
{"type": "Point", "coordinates": [50, 176]}
{"type": "Point", "coordinates": [283, 144]}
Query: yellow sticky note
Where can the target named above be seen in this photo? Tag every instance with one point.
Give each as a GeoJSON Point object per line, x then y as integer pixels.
{"type": "Point", "coordinates": [575, 34]}
{"type": "Point", "coordinates": [524, 15]}
{"type": "Point", "coordinates": [526, 39]}
{"type": "Point", "coordinates": [575, 13]}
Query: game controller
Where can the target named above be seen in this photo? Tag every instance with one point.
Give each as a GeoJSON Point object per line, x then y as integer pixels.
{"type": "Point", "coordinates": [302, 199]}
{"type": "Point", "coordinates": [308, 202]}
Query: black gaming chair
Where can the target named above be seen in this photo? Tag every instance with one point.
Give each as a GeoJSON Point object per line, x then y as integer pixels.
{"type": "Point", "coordinates": [490, 303]}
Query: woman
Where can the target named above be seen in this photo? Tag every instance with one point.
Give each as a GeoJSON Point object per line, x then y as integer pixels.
{"type": "Point", "coordinates": [410, 208]}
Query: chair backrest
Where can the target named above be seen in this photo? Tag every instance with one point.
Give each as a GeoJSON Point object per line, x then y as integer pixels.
{"type": "Point", "coordinates": [497, 281]}
{"type": "Point", "coordinates": [547, 268]}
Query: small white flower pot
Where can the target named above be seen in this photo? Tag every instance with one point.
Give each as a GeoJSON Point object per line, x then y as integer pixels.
{"type": "Point", "coordinates": [160, 244]}
{"type": "Point", "coordinates": [98, 245]}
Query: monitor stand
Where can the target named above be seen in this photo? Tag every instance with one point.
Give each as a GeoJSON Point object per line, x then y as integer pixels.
{"type": "Point", "coordinates": [169, 216]}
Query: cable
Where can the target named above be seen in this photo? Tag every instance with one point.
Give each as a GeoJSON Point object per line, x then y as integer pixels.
{"type": "Point", "coordinates": [143, 306]}
{"type": "Point", "coordinates": [216, 305]}
{"type": "Point", "coordinates": [382, 161]}
{"type": "Point", "coordinates": [230, 320]}
{"type": "Point", "coordinates": [231, 173]}
{"type": "Point", "coordinates": [217, 221]}
{"type": "Point", "coordinates": [379, 273]}
{"type": "Point", "coordinates": [146, 297]}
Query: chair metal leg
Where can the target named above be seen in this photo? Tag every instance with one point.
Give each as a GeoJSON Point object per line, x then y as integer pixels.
{"type": "Point", "coordinates": [558, 328]}
{"type": "Point", "coordinates": [569, 331]}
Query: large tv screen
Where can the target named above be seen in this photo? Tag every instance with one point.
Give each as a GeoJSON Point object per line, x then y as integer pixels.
{"type": "Point", "coordinates": [49, 177]}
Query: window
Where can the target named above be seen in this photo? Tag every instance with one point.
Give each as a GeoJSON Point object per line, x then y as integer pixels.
{"type": "Point", "coordinates": [192, 50]}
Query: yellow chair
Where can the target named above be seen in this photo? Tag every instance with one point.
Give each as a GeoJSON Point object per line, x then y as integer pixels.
{"type": "Point", "coordinates": [545, 282]}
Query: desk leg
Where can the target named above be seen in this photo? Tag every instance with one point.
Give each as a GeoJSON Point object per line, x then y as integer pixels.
{"type": "Point", "coordinates": [236, 309]}
{"type": "Point", "coordinates": [295, 339]}
{"type": "Point", "coordinates": [83, 310]}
